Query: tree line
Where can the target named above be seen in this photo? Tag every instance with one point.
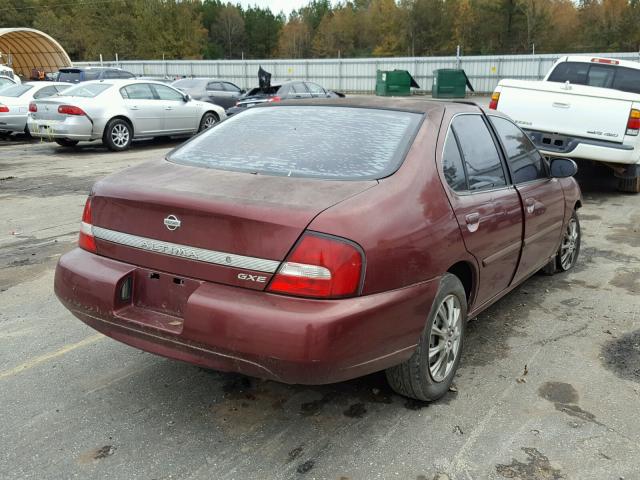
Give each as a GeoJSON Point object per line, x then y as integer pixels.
{"type": "Point", "coordinates": [212, 29]}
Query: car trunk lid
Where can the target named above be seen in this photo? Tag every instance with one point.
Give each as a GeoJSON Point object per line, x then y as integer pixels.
{"type": "Point", "coordinates": [221, 226]}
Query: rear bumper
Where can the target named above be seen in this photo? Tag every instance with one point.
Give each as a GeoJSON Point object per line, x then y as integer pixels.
{"type": "Point", "coordinates": [13, 123]}
{"type": "Point", "coordinates": [226, 328]}
{"type": "Point", "coordinates": [73, 128]}
{"type": "Point", "coordinates": [584, 148]}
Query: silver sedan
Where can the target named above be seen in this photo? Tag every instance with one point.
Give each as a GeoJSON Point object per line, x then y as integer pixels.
{"type": "Point", "coordinates": [117, 111]}
{"type": "Point", "coordinates": [15, 99]}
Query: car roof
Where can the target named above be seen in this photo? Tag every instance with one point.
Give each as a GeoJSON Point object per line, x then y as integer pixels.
{"type": "Point", "coordinates": [407, 104]}
{"type": "Point", "coordinates": [78, 69]}
{"type": "Point", "coordinates": [122, 81]}
{"type": "Point", "coordinates": [45, 83]}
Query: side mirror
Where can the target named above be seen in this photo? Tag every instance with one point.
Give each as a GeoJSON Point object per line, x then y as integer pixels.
{"type": "Point", "coordinates": [186, 97]}
{"type": "Point", "coordinates": [242, 91]}
{"type": "Point", "coordinates": [563, 168]}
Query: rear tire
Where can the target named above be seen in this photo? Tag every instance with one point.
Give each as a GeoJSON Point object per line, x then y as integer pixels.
{"type": "Point", "coordinates": [27, 133]}
{"type": "Point", "coordinates": [117, 135]}
{"type": "Point", "coordinates": [209, 119]}
{"type": "Point", "coordinates": [428, 374]}
{"type": "Point", "coordinates": [629, 185]}
{"type": "Point", "coordinates": [65, 142]}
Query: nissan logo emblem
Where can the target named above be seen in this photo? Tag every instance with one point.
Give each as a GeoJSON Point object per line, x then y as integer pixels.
{"type": "Point", "coordinates": [172, 222]}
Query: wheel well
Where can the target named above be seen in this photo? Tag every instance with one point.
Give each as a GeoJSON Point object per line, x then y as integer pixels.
{"type": "Point", "coordinates": [464, 272]}
{"type": "Point", "coordinates": [577, 205]}
{"type": "Point", "coordinates": [214, 114]}
{"type": "Point", "coordinates": [121, 117]}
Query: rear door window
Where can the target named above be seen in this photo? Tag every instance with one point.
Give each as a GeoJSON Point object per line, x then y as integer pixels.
{"type": "Point", "coordinates": [452, 164]}
{"type": "Point", "coordinates": [525, 162]}
{"type": "Point", "coordinates": [341, 143]}
{"type": "Point", "coordinates": [217, 86]}
{"type": "Point", "coordinates": [137, 91]}
{"type": "Point", "coordinates": [481, 157]}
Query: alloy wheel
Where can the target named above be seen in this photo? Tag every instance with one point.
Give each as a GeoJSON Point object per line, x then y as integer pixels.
{"type": "Point", "coordinates": [444, 341]}
{"type": "Point", "coordinates": [569, 246]}
{"type": "Point", "coordinates": [120, 135]}
{"type": "Point", "coordinates": [209, 121]}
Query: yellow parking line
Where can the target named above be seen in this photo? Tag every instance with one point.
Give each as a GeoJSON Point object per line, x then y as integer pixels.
{"type": "Point", "coordinates": [48, 356]}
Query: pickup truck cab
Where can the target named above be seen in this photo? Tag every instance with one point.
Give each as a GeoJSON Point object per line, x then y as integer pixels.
{"type": "Point", "coordinates": [585, 108]}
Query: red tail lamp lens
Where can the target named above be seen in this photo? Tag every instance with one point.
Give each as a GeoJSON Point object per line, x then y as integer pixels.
{"type": "Point", "coordinates": [633, 123]}
{"type": "Point", "coordinates": [33, 107]}
{"type": "Point", "coordinates": [4, 109]}
{"type": "Point", "coordinates": [320, 266]}
{"type": "Point", "coordinates": [86, 240]}
{"type": "Point", "coordinates": [495, 98]}
{"type": "Point", "coordinates": [274, 99]}
{"type": "Point", "coordinates": [70, 110]}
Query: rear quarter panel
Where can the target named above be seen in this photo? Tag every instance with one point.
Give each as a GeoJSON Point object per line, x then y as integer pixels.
{"type": "Point", "coordinates": [405, 224]}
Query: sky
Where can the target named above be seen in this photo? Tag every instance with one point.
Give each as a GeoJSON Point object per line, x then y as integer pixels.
{"type": "Point", "coordinates": [276, 6]}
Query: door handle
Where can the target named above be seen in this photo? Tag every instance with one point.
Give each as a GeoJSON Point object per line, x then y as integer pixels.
{"type": "Point", "coordinates": [530, 204]}
{"type": "Point", "coordinates": [473, 221]}
{"type": "Point", "coordinates": [134, 107]}
{"type": "Point", "coordinates": [168, 108]}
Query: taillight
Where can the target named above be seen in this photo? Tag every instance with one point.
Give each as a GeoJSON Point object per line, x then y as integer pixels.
{"type": "Point", "coordinates": [86, 240]}
{"type": "Point", "coordinates": [3, 108]}
{"type": "Point", "coordinates": [493, 104]}
{"type": "Point", "coordinates": [633, 124]}
{"type": "Point", "coordinates": [320, 266]}
{"type": "Point", "coordinates": [33, 107]}
{"type": "Point", "coordinates": [70, 110]}
{"type": "Point", "coordinates": [274, 99]}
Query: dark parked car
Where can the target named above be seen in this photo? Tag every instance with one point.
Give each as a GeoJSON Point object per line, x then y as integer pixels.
{"type": "Point", "coordinates": [77, 75]}
{"type": "Point", "coordinates": [220, 92]}
{"type": "Point", "coordinates": [295, 90]}
{"type": "Point", "coordinates": [337, 239]}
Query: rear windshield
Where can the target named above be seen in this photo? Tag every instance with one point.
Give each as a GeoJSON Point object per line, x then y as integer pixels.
{"type": "Point", "coordinates": [598, 75]}
{"type": "Point", "coordinates": [16, 90]}
{"type": "Point", "coordinates": [189, 82]}
{"type": "Point", "coordinates": [73, 76]}
{"type": "Point", "coordinates": [87, 90]}
{"type": "Point", "coordinates": [341, 143]}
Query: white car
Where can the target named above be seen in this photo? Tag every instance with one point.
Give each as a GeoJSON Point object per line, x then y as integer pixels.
{"type": "Point", "coordinates": [585, 108]}
{"type": "Point", "coordinates": [15, 99]}
{"type": "Point", "coordinates": [117, 111]}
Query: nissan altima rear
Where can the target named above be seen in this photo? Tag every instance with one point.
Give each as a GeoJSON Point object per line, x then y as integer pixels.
{"type": "Point", "coordinates": [310, 243]}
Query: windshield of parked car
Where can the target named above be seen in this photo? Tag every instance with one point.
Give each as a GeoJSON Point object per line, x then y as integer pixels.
{"type": "Point", "coordinates": [190, 83]}
{"type": "Point", "coordinates": [88, 90]}
{"type": "Point", "coordinates": [343, 143]}
{"type": "Point", "coordinates": [16, 90]}
{"type": "Point", "coordinates": [597, 75]}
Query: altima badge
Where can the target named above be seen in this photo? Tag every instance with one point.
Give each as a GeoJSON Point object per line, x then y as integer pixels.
{"type": "Point", "coordinates": [172, 222]}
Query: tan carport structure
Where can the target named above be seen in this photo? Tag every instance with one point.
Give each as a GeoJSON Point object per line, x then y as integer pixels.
{"type": "Point", "coordinates": [31, 49]}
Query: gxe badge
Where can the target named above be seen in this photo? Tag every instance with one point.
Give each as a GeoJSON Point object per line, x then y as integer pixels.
{"type": "Point", "coordinates": [172, 222]}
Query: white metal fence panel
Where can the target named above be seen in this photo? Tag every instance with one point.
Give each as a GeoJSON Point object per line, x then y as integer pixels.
{"type": "Point", "coordinates": [355, 75]}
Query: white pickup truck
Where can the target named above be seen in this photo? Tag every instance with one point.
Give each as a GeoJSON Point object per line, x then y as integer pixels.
{"type": "Point", "coordinates": [585, 108]}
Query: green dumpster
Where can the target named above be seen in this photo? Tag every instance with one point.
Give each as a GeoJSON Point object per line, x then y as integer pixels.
{"type": "Point", "coordinates": [450, 83]}
{"type": "Point", "coordinates": [394, 83]}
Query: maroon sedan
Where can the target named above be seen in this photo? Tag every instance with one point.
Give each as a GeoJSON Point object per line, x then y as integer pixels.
{"type": "Point", "coordinates": [318, 242]}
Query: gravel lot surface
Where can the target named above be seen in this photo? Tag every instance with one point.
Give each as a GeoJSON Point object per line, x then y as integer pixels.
{"type": "Point", "coordinates": [549, 386]}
